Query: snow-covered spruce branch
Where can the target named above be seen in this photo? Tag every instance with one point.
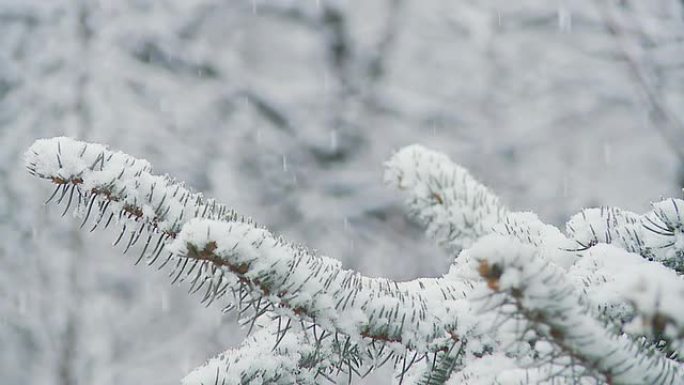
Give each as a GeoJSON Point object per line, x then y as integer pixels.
{"type": "Point", "coordinates": [567, 309]}
{"type": "Point", "coordinates": [283, 352]}
{"type": "Point", "coordinates": [656, 294]}
{"type": "Point", "coordinates": [657, 234]}
{"type": "Point", "coordinates": [641, 297]}
{"type": "Point", "coordinates": [457, 210]}
{"type": "Point", "coordinates": [454, 207]}
{"type": "Point", "coordinates": [257, 360]}
{"type": "Point", "coordinates": [215, 248]}
{"type": "Point", "coordinates": [529, 288]}
{"type": "Point", "coordinates": [442, 194]}
{"type": "Point", "coordinates": [417, 314]}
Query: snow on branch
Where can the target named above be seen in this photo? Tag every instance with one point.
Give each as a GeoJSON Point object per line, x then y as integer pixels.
{"type": "Point", "coordinates": [502, 369]}
{"type": "Point", "coordinates": [656, 295]}
{"type": "Point", "coordinates": [455, 208]}
{"type": "Point", "coordinates": [657, 235]}
{"type": "Point", "coordinates": [291, 280]}
{"type": "Point", "coordinates": [531, 289]}
{"type": "Point", "coordinates": [117, 184]}
{"type": "Point", "coordinates": [257, 361]}
{"type": "Point", "coordinates": [606, 225]}
{"type": "Point", "coordinates": [283, 352]}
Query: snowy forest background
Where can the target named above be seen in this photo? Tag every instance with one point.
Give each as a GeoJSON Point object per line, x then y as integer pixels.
{"type": "Point", "coordinates": [286, 110]}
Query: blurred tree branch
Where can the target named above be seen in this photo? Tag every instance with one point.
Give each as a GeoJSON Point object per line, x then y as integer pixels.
{"type": "Point", "coordinates": [664, 119]}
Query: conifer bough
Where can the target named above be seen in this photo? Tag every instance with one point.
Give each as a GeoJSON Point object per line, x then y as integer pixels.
{"type": "Point", "coordinates": [523, 303]}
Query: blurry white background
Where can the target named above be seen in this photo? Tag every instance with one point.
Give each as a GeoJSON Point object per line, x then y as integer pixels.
{"type": "Point", "coordinates": [286, 110]}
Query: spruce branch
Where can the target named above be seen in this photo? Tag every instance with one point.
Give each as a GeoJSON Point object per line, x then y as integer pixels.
{"type": "Point", "coordinates": [436, 369]}
{"type": "Point", "coordinates": [258, 362]}
{"type": "Point", "coordinates": [284, 353]}
{"type": "Point", "coordinates": [292, 281]}
{"type": "Point", "coordinates": [599, 306]}
{"type": "Point", "coordinates": [656, 235]}
{"type": "Point", "coordinates": [455, 208]}
{"type": "Point", "coordinates": [606, 225]}
{"type": "Point", "coordinates": [220, 252]}
{"type": "Point", "coordinates": [527, 286]}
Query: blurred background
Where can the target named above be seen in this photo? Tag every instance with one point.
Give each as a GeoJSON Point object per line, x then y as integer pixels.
{"type": "Point", "coordinates": [286, 110]}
